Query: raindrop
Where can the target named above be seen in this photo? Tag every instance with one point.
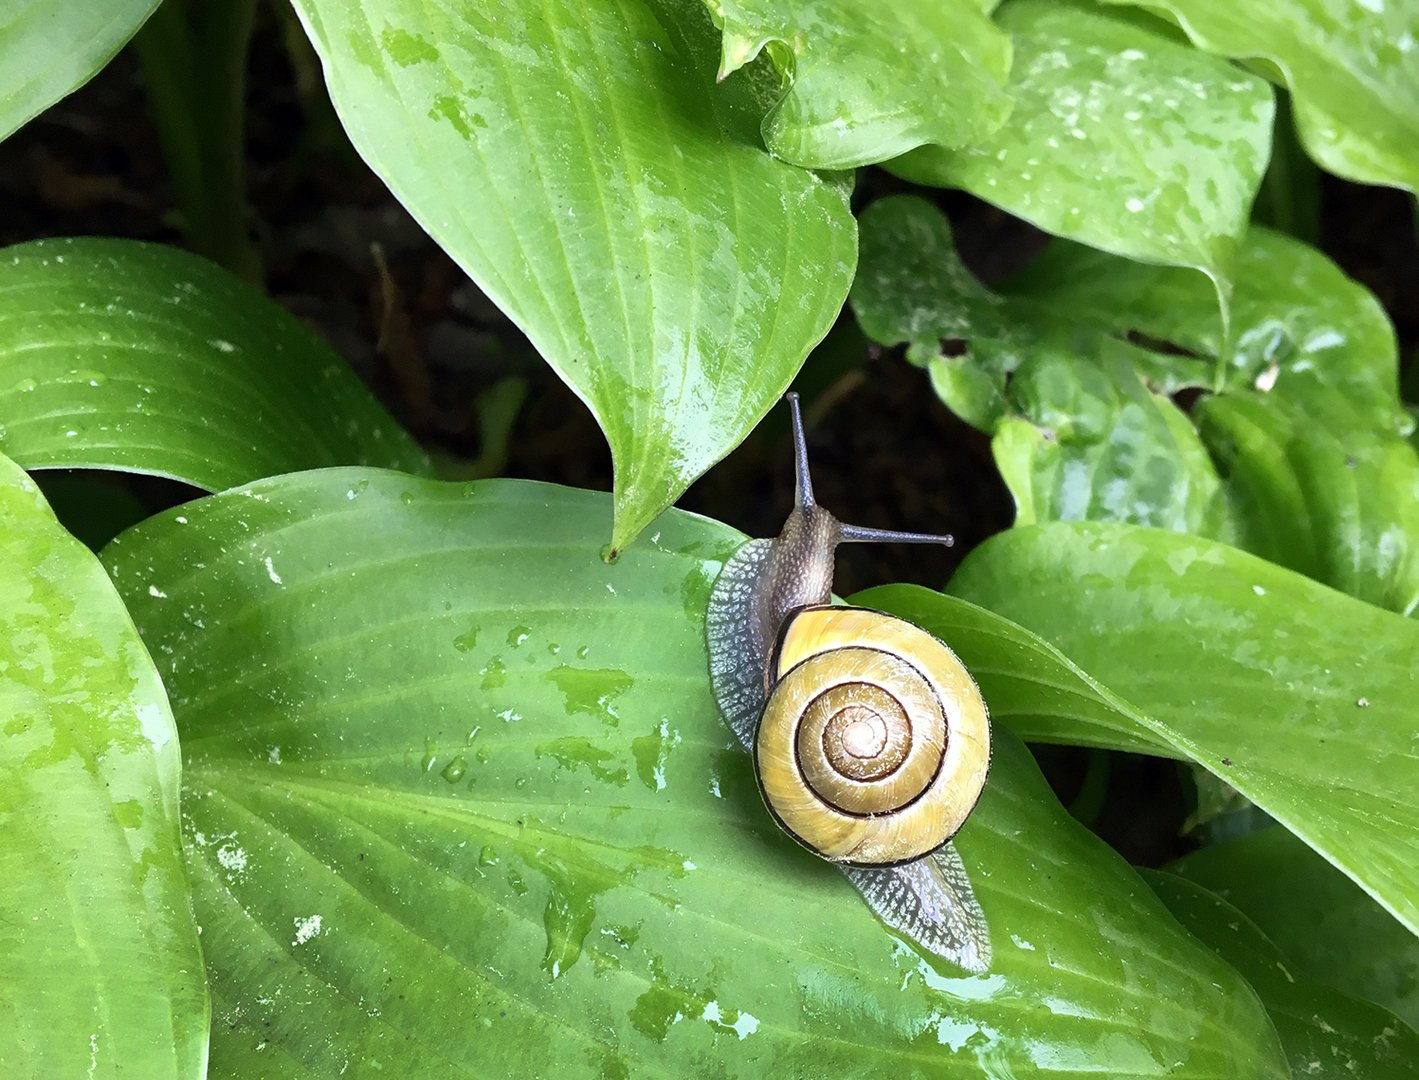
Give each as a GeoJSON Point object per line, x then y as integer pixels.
{"type": "Point", "coordinates": [454, 770]}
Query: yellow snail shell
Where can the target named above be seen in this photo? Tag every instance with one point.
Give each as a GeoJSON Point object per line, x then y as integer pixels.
{"type": "Point", "coordinates": [874, 744]}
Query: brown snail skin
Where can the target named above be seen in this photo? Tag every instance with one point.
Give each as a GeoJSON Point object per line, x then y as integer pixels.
{"type": "Point", "coordinates": [870, 738]}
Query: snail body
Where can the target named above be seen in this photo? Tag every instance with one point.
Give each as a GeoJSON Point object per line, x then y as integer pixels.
{"type": "Point", "coordinates": [870, 739]}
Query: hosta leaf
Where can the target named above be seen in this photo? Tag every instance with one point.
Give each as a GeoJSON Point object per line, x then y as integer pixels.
{"type": "Point", "coordinates": [1121, 137]}
{"type": "Point", "coordinates": [1076, 432]}
{"type": "Point", "coordinates": [1329, 930]}
{"type": "Point", "coordinates": [1308, 429]}
{"type": "Point", "coordinates": [1328, 1035]}
{"type": "Point", "coordinates": [869, 82]}
{"type": "Point", "coordinates": [1298, 696]}
{"type": "Point", "coordinates": [120, 355]}
{"type": "Point", "coordinates": [48, 50]}
{"type": "Point", "coordinates": [1352, 66]}
{"type": "Point", "coordinates": [1316, 488]}
{"type": "Point", "coordinates": [580, 163]}
{"type": "Point", "coordinates": [100, 971]}
{"type": "Point", "coordinates": [457, 789]}
{"type": "Point", "coordinates": [1298, 322]}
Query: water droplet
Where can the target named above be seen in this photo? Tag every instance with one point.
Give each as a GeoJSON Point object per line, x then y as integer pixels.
{"type": "Point", "coordinates": [583, 652]}
{"type": "Point", "coordinates": [517, 635]}
{"type": "Point", "coordinates": [487, 857]}
{"type": "Point", "coordinates": [464, 642]}
{"type": "Point", "coordinates": [454, 770]}
{"type": "Point", "coordinates": [24, 386]}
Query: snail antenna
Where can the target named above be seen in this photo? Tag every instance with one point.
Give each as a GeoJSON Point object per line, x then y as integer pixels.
{"type": "Point", "coordinates": [849, 534]}
{"type": "Point", "coordinates": [803, 482]}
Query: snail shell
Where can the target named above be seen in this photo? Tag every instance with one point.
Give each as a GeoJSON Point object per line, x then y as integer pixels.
{"type": "Point", "coordinates": [873, 746]}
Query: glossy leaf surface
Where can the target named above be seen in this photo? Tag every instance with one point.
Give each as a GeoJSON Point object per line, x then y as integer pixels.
{"type": "Point", "coordinates": [1352, 66]}
{"type": "Point", "coordinates": [1077, 434]}
{"type": "Point", "coordinates": [458, 788]}
{"type": "Point", "coordinates": [1308, 429]}
{"type": "Point", "coordinates": [1329, 930]}
{"type": "Point", "coordinates": [1298, 696]}
{"type": "Point", "coordinates": [1121, 137]}
{"type": "Point", "coordinates": [120, 355]}
{"type": "Point", "coordinates": [868, 82]}
{"type": "Point", "coordinates": [581, 164]}
{"type": "Point", "coordinates": [49, 49]}
{"type": "Point", "coordinates": [100, 971]}
{"type": "Point", "coordinates": [1327, 1034]}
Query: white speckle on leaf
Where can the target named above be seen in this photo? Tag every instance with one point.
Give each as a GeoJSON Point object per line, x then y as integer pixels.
{"type": "Point", "coordinates": [232, 858]}
{"type": "Point", "coordinates": [306, 929]}
{"type": "Point", "coordinates": [156, 593]}
{"type": "Point", "coordinates": [1134, 205]}
{"type": "Point", "coordinates": [271, 571]}
{"type": "Point", "coordinates": [274, 755]}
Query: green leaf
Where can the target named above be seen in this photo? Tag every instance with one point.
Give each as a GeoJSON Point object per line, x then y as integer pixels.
{"type": "Point", "coordinates": [1329, 930]}
{"type": "Point", "coordinates": [1352, 67]}
{"type": "Point", "coordinates": [1298, 322]}
{"type": "Point", "coordinates": [1298, 696]}
{"type": "Point", "coordinates": [1309, 429]}
{"type": "Point", "coordinates": [120, 355]}
{"type": "Point", "coordinates": [1076, 433]}
{"type": "Point", "coordinates": [866, 83]}
{"type": "Point", "coordinates": [581, 164]}
{"type": "Point", "coordinates": [48, 50]}
{"type": "Point", "coordinates": [100, 971]}
{"type": "Point", "coordinates": [1328, 1035]}
{"type": "Point", "coordinates": [1317, 489]}
{"type": "Point", "coordinates": [1121, 137]}
{"type": "Point", "coordinates": [458, 788]}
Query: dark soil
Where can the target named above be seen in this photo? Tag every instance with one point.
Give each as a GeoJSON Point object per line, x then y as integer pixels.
{"type": "Point", "coordinates": [885, 451]}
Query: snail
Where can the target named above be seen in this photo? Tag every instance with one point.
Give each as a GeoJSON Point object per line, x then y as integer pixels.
{"type": "Point", "coordinates": [871, 741]}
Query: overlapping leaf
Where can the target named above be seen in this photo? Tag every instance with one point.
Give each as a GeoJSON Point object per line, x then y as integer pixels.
{"type": "Point", "coordinates": [581, 164]}
{"type": "Point", "coordinates": [120, 355]}
{"type": "Point", "coordinates": [48, 50]}
{"type": "Point", "coordinates": [1298, 696]}
{"type": "Point", "coordinates": [1077, 434]}
{"type": "Point", "coordinates": [100, 971]}
{"type": "Point", "coordinates": [1352, 66]}
{"type": "Point", "coordinates": [457, 789]}
{"type": "Point", "coordinates": [868, 82]}
{"type": "Point", "coordinates": [1329, 930]}
{"type": "Point", "coordinates": [1121, 137]}
{"type": "Point", "coordinates": [1327, 1034]}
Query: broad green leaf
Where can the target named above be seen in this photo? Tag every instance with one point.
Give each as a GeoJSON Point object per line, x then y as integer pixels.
{"type": "Point", "coordinates": [1316, 488]}
{"type": "Point", "coordinates": [1298, 696]}
{"type": "Point", "coordinates": [458, 789]}
{"type": "Point", "coordinates": [1309, 429]}
{"type": "Point", "coordinates": [579, 162]}
{"type": "Point", "coordinates": [1329, 930]}
{"type": "Point", "coordinates": [1298, 322]}
{"type": "Point", "coordinates": [121, 355]}
{"type": "Point", "coordinates": [1121, 137]}
{"type": "Point", "coordinates": [1030, 686]}
{"type": "Point", "coordinates": [1076, 432]}
{"type": "Point", "coordinates": [100, 971]}
{"type": "Point", "coordinates": [868, 82]}
{"type": "Point", "coordinates": [1327, 1035]}
{"type": "Point", "coordinates": [1352, 67]}
{"type": "Point", "coordinates": [50, 49]}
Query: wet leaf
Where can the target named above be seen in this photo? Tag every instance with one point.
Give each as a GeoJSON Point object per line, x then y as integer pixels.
{"type": "Point", "coordinates": [580, 163]}
{"type": "Point", "coordinates": [121, 355]}
{"type": "Point", "coordinates": [100, 971]}
{"type": "Point", "coordinates": [1352, 67]}
{"type": "Point", "coordinates": [458, 788]}
{"type": "Point", "coordinates": [1308, 429]}
{"type": "Point", "coordinates": [1327, 1034]}
{"type": "Point", "coordinates": [50, 49]}
{"type": "Point", "coordinates": [1298, 696]}
{"type": "Point", "coordinates": [1328, 929]}
{"type": "Point", "coordinates": [868, 82]}
{"type": "Point", "coordinates": [1077, 434]}
{"type": "Point", "coordinates": [1121, 137]}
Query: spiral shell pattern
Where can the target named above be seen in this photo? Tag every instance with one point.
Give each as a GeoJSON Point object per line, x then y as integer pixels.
{"type": "Point", "coordinates": [874, 744]}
